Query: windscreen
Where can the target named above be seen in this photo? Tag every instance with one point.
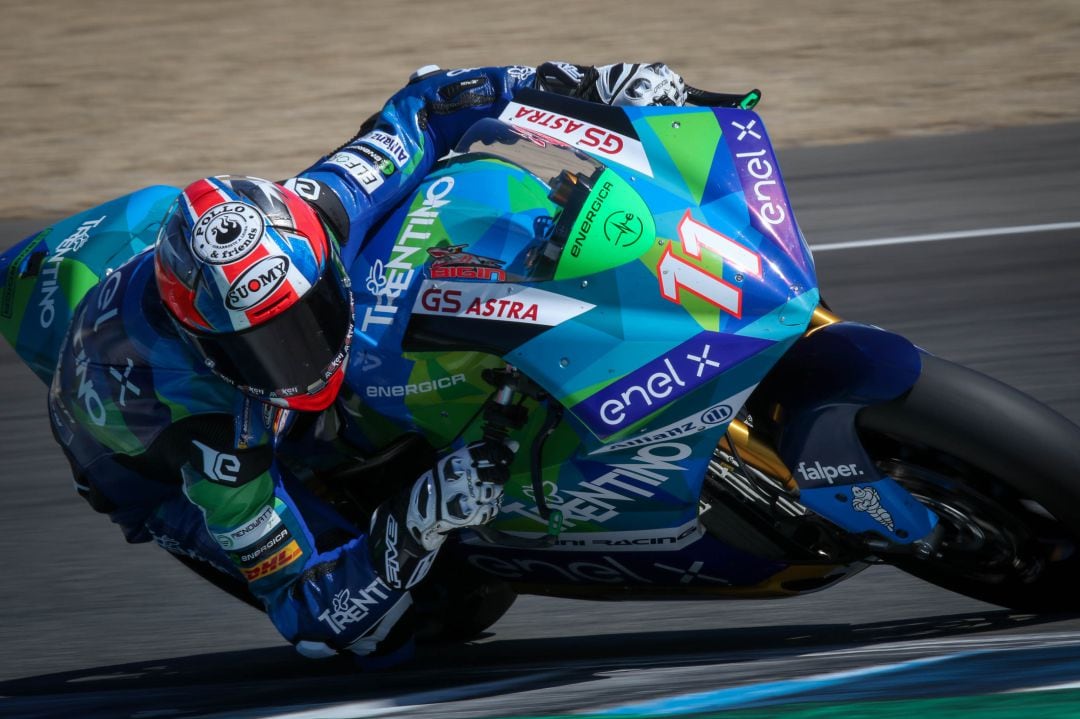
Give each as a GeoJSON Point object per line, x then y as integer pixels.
{"type": "Point", "coordinates": [544, 157]}
{"type": "Point", "coordinates": [598, 221]}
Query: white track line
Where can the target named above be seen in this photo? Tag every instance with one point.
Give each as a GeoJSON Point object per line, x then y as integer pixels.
{"type": "Point", "coordinates": [1047, 688]}
{"type": "Point", "coordinates": [938, 237]}
{"type": "Point", "coordinates": [974, 643]}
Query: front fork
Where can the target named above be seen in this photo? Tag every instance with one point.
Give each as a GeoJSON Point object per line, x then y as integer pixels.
{"type": "Point", "coordinates": [807, 409]}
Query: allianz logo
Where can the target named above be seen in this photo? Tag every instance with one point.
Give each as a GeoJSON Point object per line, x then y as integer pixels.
{"type": "Point", "coordinates": [717, 414]}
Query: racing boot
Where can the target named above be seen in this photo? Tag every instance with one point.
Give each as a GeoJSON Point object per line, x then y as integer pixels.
{"type": "Point", "coordinates": [464, 489]}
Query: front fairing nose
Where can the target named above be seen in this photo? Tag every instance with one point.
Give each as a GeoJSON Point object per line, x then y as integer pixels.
{"type": "Point", "coordinates": [752, 173]}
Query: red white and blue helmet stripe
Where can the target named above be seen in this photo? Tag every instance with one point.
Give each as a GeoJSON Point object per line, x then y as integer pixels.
{"type": "Point", "coordinates": [234, 256]}
{"type": "Point", "coordinates": [258, 247]}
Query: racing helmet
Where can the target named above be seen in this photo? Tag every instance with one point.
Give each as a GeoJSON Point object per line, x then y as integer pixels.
{"type": "Point", "coordinates": [251, 277]}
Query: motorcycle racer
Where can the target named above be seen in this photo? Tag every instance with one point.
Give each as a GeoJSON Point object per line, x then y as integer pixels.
{"type": "Point", "coordinates": [241, 322]}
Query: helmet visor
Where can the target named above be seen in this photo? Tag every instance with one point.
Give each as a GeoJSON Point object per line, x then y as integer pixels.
{"type": "Point", "coordinates": [292, 354]}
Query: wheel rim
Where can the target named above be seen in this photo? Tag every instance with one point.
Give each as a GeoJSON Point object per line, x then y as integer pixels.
{"type": "Point", "coordinates": [991, 534]}
{"type": "Point", "coordinates": [980, 538]}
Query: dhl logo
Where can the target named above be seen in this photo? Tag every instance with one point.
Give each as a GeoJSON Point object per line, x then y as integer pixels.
{"type": "Point", "coordinates": [282, 559]}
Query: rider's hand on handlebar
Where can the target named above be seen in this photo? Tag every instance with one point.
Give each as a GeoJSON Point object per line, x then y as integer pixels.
{"type": "Point", "coordinates": [468, 489]}
{"type": "Point", "coordinates": [464, 489]}
{"type": "Point", "coordinates": [640, 85]}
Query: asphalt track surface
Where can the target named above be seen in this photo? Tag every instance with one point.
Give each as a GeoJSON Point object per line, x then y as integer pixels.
{"type": "Point", "coordinates": [90, 626]}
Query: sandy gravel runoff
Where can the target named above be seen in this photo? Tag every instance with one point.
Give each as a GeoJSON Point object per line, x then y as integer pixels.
{"type": "Point", "coordinates": [100, 97]}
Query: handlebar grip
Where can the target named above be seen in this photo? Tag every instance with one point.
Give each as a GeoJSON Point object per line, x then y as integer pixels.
{"type": "Point", "coordinates": [704, 98]}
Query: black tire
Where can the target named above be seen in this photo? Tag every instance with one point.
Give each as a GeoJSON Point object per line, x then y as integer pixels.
{"type": "Point", "coordinates": [457, 603]}
{"type": "Point", "coordinates": [1003, 473]}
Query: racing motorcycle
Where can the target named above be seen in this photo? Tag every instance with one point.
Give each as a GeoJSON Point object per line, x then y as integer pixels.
{"type": "Point", "coordinates": [625, 293]}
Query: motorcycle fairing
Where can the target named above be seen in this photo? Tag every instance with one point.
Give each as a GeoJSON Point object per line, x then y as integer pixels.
{"type": "Point", "coordinates": [620, 347]}
{"type": "Point", "coordinates": [125, 374]}
{"type": "Point", "coordinates": [46, 275]}
{"type": "Point", "coordinates": [79, 306]}
{"type": "Point", "coordinates": [408, 372]}
{"type": "Point", "coordinates": [608, 133]}
{"type": "Point", "coordinates": [710, 179]}
{"type": "Point", "coordinates": [645, 565]}
{"type": "Point", "coordinates": [689, 197]}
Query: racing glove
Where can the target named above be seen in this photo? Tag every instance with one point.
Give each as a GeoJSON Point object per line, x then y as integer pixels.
{"type": "Point", "coordinates": [623, 83]}
{"type": "Point", "coordinates": [464, 489]}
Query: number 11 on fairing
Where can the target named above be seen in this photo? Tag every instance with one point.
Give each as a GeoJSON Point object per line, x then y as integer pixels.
{"type": "Point", "coordinates": [676, 273]}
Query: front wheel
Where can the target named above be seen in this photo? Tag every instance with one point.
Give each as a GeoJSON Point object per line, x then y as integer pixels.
{"type": "Point", "coordinates": [1001, 471]}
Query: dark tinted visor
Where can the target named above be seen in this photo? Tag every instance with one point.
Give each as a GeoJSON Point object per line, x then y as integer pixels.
{"type": "Point", "coordinates": [293, 353]}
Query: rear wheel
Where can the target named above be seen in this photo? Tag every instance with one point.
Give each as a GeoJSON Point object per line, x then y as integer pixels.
{"type": "Point", "coordinates": [457, 602]}
{"type": "Point", "coordinates": [1001, 471]}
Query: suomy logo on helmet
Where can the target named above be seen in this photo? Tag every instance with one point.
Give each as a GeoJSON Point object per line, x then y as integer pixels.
{"type": "Point", "coordinates": [226, 232]}
{"type": "Point", "coordinates": [257, 283]}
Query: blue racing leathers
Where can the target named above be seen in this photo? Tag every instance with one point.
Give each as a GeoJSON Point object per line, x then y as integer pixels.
{"type": "Point", "coordinates": [356, 185]}
{"type": "Point", "coordinates": [175, 454]}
